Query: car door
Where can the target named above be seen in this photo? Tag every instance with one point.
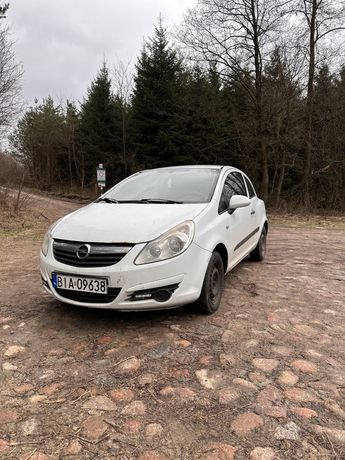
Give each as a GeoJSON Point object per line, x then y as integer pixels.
{"type": "Point", "coordinates": [239, 223]}
{"type": "Point", "coordinates": [254, 211]}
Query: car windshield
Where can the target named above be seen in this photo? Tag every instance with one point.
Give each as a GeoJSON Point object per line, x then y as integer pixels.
{"type": "Point", "coordinates": [170, 185]}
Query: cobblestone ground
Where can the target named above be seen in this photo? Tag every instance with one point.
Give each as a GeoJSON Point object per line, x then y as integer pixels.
{"type": "Point", "coordinates": [262, 379]}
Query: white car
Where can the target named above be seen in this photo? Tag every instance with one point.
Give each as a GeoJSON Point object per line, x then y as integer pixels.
{"type": "Point", "coordinates": [159, 239]}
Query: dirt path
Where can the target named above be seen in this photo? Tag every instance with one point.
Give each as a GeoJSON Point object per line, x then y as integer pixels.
{"type": "Point", "coordinates": [262, 379]}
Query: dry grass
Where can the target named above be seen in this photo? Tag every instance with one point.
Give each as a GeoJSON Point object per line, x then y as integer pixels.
{"type": "Point", "coordinates": [27, 216]}
{"type": "Point", "coordinates": [15, 214]}
{"type": "Point", "coordinates": [336, 222]}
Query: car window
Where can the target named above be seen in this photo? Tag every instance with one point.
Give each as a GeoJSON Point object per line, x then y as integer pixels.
{"type": "Point", "coordinates": [250, 188]}
{"type": "Point", "coordinates": [233, 185]}
{"type": "Point", "coordinates": [238, 184]}
{"type": "Point", "coordinates": [183, 184]}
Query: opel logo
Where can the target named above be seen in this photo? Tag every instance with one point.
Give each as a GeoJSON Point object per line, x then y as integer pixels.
{"type": "Point", "coordinates": [83, 251]}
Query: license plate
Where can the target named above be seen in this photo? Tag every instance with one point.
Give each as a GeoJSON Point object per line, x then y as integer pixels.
{"type": "Point", "coordinates": [80, 283]}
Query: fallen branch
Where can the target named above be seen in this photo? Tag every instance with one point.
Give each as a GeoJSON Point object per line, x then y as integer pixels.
{"type": "Point", "coordinates": [101, 439]}
{"type": "Point", "coordinates": [56, 401]}
{"type": "Point", "coordinates": [123, 360]}
{"type": "Point", "coordinates": [30, 455]}
{"type": "Point", "coordinates": [81, 396]}
{"type": "Point", "coordinates": [93, 443]}
{"type": "Point", "coordinates": [22, 443]}
{"type": "Point", "coordinates": [332, 447]}
{"type": "Point", "coordinates": [82, 439]}
{"type": "Point", "coordinates": [119, 439]}
{"type": "Point", "coordinates": [45, 217]}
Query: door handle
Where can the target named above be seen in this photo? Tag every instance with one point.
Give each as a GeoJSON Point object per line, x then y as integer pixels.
{"type": "Point", "coordinates": [253, 212]}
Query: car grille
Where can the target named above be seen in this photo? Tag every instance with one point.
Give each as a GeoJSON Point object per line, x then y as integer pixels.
{"type": "Point", "coordinates": [90, 254]}
{"type": "Point", "coordinates": [89, 297]}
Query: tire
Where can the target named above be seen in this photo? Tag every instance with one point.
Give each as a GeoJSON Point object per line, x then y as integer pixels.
{"type": "Point", "coordinates": [258, 254]}
{"type": "Point", "coordinates": [212, 288]}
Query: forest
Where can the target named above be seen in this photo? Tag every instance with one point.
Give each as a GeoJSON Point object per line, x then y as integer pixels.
{"type": "Point", "coordinates": [256, 84]}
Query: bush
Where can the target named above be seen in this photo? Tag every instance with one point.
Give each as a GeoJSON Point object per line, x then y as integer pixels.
{"type": "Point", "coordinates": [11, 172]}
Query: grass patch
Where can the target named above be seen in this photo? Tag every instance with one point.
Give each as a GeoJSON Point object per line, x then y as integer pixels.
{"type": "Point", "coordinates": [25, 224]}
{"type": "Point", "coordinates": [28, 234]}
{"type": "Point", "coordinates": [307, 221]}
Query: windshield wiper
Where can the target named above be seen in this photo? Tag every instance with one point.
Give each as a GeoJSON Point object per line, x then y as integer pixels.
{"type": "Point", "coordinates": [160, 200]}
{"type": "Point", "coordinates": [132, 201]}
{"type": "Point", "coordinates": [140, 201]}
{"type": "Point", "coordinates": [112, 200]}
{"type": "Point", "coordinates": [107, 200]}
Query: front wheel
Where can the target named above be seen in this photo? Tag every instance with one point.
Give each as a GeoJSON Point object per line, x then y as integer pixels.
{"type": "Point", "coordinates": [260, 251]}
{"type": "Point", "coordinates": [212, 288]}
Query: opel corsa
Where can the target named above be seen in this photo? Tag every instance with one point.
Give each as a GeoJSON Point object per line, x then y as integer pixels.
{"type": "Point", "coordinates": [159, 239]}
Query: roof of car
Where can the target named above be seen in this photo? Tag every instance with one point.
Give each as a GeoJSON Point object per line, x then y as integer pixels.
{"type": "Point", "coordinates": [197, 167]}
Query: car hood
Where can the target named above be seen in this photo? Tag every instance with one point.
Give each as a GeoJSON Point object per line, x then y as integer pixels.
{"type": "Point", "coordinates": [120, 223]}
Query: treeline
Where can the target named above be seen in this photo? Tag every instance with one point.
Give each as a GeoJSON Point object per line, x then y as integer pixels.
{"type": "Point", "coordinates": [178, 112]}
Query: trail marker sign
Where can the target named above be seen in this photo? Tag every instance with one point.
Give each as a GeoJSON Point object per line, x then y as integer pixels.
{"type": "Point", "coordinates": [101, 176]}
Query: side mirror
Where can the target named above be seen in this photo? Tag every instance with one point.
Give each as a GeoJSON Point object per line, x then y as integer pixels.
{"type": "Point", "coordinates": [238, 201]}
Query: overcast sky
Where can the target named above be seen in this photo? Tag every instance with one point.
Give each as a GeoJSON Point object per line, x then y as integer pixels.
{"type": "Point", "coordinates": [61, 44]}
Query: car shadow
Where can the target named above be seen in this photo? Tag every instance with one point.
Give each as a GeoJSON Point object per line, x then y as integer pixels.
{"type": "Point", "coordinates": [102, 320]}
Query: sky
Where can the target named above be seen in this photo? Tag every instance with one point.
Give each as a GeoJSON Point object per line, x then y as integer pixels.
{"type": "Point", "coordinates": [62, 43]}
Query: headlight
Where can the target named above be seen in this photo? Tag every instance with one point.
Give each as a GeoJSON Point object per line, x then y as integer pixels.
{"type": "Point", "coordinates": [46, 240]}
{"type": "Point", "coordinates": [169, 245]}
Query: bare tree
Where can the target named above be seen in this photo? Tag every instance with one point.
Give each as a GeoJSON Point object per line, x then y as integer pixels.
{"type": "Point", "coordinates": [10, 74]}
{"type": "Point", "coordinates": [237, 36]}
{"type": "Point", "coordinates": [123, 82]}
{"type": "Point", "coordinates": [320, 20]}
{"type": "Point", "coordinates": [282, 114]}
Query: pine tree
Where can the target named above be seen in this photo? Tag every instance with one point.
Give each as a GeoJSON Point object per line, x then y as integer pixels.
{"type": "Point", "coordinates": [327, 151]}
{"type": "Point", "coordinates": [73, 159]}
{"type": "Point", "coordinates": [100, 128]}
{"type": "Point", "coordinates": [38, 142]}
{"type": "Point", "coordinates": [324, 97]}
{"type": "Point", "coordinates": [283, 116]}
{"type": "Point", "coordinates": [154, 101]}
{"type": "Point", "coordinates": [338, 172]}
{"type": "Point", "coordinates": [238, 97]}
{"type": "Point", "coordinates": [201, 123]}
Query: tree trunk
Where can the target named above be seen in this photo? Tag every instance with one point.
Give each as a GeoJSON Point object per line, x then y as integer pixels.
{"type": "Point", "coordinates": [70, 168]}
{"type": "Point", "coordinates": [280, 181]}
{"type": "Point", "coordinates": [259, 106]}
{"type": "Point", "coordinates": [124, 140]}
{"type": "Point", "coordinates": [309, 108]}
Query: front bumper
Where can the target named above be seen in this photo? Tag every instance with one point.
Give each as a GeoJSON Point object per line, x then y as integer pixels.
{"type": "Point", "coordinates": [186, 270]}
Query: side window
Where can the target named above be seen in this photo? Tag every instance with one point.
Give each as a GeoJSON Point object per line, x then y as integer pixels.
{"type": "Point", "coordinates": [237, 184]}
{"type": "Point", "coordinates": [233, 185]}
{"type": "Point", "coordinates": [226, 195]}
{"type": "Point", "coordinates": [250, 188]}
